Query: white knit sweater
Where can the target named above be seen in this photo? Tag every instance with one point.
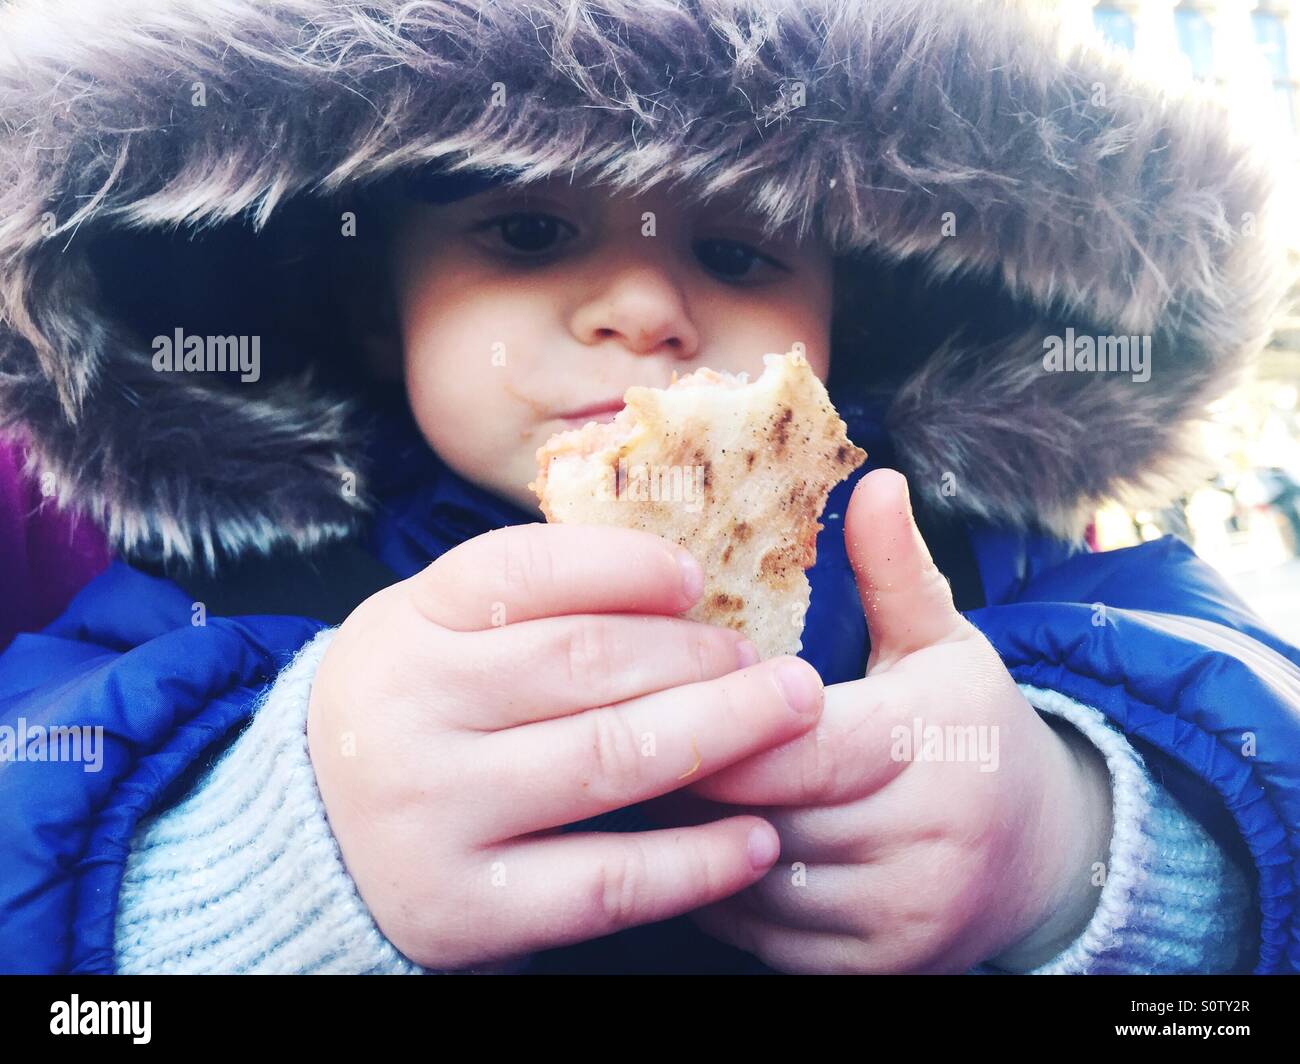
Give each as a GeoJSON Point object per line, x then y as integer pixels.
{"type": "Point", "coordinates": [244, 874]}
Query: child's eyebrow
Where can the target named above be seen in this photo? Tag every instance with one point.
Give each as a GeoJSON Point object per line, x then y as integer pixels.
{"type": "Point", "coordinates": [743, 216]}
{"type": "Point", "coordinates": [732, 209]}
{"type": "Point", "coordinates": [517, 195]}
{"type": "Point", "coordinates": [506, 192]}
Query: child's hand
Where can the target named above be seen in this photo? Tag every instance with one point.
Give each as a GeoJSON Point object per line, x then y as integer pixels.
{"type": "Point", "coordinates": [890, 862]}
{"type": "Point", "coordinates": [451, 729]}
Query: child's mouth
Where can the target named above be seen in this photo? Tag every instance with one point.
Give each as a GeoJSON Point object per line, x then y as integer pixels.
{"type": "Point", "coordinates": [602, 414]}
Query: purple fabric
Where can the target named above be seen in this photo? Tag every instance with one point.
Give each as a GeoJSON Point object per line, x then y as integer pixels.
{"type": "Point", "coordinates": [46, 554]}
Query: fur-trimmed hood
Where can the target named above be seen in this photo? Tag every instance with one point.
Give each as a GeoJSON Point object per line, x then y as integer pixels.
{"type": "Point", "coordinates": [996, 189]}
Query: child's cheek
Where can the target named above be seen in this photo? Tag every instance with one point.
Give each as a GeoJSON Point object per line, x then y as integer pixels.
{"type": "Point", "coordinates": [463, 393]}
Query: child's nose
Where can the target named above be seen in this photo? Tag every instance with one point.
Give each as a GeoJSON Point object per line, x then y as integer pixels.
{"type": "Point", "coordinates": [644, 309]}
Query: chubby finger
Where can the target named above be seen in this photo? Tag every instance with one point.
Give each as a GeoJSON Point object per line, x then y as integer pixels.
{"type": "Point", "coordinates": [847, 756]}
{"type": "Point", "coordinates": [585, 660]}
{"type": "Point", "coordinates": [790, 950]}
{"type": "Point", "coordinates": [846, 834]}
{"type": "Point", "coordinates": [896, 928]}
{"type": "Point", "coordinates": [907, 601]}
{"type": "Point", "coordinates": [570, 888]}
{"type": "Point", "coordinates": [895, 721]}
{"type": "Point", "coordinates": [565, 770]}
{"type": "Point", "coordinates": [523, 572]}
{"type": "Point", "coordinates": [801, 891]}
{"type": "Point", "coordinates": [807, 896]}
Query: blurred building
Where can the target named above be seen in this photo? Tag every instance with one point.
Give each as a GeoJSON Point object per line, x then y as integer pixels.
{"type": "Point", "coordinates": [1244, 54]}
{"type": "Point", "coordinates": [1246, 51]}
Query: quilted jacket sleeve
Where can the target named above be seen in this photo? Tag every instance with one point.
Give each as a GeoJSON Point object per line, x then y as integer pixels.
{"type": "Point", "coordinates": [1169, 899]}
{"type": "Point", "coordinates": [149, 696]}
{"type": "Point", "coordinates": [1152, 640]}
{"type": "Point", "coordinates": [244, 876]}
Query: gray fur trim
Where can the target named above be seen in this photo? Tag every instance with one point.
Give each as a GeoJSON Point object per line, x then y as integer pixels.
{"type": "Point", "coordinates": [1137, 216]}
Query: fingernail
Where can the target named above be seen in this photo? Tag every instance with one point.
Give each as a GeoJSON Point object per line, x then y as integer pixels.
{"type": "Point", "coordinates": [801, 685]}
{"type": "Point", "coordinates": [746, 653]}
{"type": "Point", "coordinates": [692, 576]}
{"type": "Point", "coordinates": [764, 847]}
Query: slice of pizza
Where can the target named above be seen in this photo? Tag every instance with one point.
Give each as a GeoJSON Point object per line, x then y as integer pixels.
{"type": "Point", "coordinates": [737, 472]}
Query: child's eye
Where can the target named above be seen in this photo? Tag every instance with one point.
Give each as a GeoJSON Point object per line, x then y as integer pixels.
{"type": "Point", "coordinates": [530, 233]}
{"type": "Point", "coordinates": [732, 260]}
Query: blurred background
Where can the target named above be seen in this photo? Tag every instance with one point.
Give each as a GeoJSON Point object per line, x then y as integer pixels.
{"type": "Point", "coordinates": [1245, 518]}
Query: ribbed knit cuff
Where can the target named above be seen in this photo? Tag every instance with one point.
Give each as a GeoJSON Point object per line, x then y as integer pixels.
{"type": "Point", "coordinates": [244, 874]}
{"type": "Point", "coordinates": [1172, 901]}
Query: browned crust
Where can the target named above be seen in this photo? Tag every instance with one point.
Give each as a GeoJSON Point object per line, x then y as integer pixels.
{"type": "Point", "coordinates": [764, 486]}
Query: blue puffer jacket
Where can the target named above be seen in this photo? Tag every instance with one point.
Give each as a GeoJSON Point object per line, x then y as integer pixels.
{"type": "Point", "coordinates": [1180, 665]}
{"type": "Point", "coordinates": [189, 176]}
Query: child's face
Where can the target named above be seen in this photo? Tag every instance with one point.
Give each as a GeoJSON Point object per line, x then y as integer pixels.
{"type": "Point", "coordinates": [520, 307]}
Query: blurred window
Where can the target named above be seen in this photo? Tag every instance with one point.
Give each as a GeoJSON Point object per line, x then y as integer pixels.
{"type": "Point", "coordinates": [1270, 35]}
{"type": "Point", "coordinates": [1196, 40]}
{"type": "Point", "coordinates": [1115, 25]}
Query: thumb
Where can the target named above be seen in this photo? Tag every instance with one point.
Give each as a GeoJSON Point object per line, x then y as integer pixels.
{"type": "Point", "coordinates": [907, 601]}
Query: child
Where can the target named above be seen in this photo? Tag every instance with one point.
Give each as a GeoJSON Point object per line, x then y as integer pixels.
{"type": "Point", "coordinates": [363, 712]}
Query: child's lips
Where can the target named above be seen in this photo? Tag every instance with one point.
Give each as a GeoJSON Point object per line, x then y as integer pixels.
{"type": "Point", "coordinates": [578, 422]}
{"type": "Point", "coordinates": [602, 414]}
